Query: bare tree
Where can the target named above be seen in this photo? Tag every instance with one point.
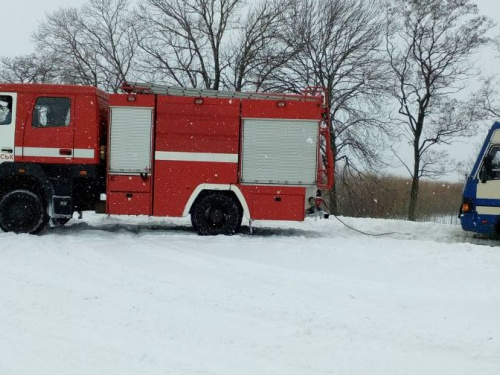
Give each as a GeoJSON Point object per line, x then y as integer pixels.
{"type": "Point", "coordinates": [429, 44]}
{"type": "Point", "coordinates": [339, 45]}
{"type": "Point", "coordinates": [258, 48]}
{"type": "Point", "coordinates": [61, 34]}
{"type": "Point", "coordinates": [95, 45]}
{"type": "Point", "coordinates": [28, 69]}
{"type": "Point", "coordinates": [183, 40]}
{"type": "Point", "coordinates": [107, 25]}
{"type": "Point", "coordinates": [487, 98]}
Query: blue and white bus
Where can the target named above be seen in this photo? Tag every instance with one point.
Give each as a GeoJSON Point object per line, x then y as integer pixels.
{"type": "Point", "coordinates": [480, 209]}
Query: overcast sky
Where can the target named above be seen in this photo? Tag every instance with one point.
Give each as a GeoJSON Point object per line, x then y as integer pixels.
{"type": "Point", "coordinates": [20, 18]}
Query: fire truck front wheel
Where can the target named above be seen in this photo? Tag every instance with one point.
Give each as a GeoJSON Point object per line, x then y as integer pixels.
{"type": "Point", "coordinates": [216, 213]}
{"type": "Point", "coordinates": [22, 211]}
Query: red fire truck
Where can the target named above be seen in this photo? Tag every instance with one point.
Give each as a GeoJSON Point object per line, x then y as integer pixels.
{"type": "Point", "coordinates": [160, 151]}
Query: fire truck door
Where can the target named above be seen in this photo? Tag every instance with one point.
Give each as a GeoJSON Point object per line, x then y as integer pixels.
{"type": "Point", "coordinates": [49, 130]}
{"type": "Point", "coordinates": [8, 107]}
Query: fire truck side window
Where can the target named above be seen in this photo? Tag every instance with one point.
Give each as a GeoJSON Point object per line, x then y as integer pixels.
{"type": "Point", "coordinates": [5, 109]}
{"type": "Point", "coordinates": [52, 112]}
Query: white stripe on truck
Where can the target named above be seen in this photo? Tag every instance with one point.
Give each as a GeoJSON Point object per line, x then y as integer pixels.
{"type": "Point", "coordinates": [46, 152]}
{"type": "Point", "coordinates": [196, 156]}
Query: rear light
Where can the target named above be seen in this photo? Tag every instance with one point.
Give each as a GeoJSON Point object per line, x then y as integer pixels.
{"type": "Point", "coordinates": [467, 206]}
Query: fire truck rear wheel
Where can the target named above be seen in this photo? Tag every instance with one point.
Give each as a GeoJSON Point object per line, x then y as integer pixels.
{"type": "Point", "coordinates": [216, 213]}
{"type": "Point", "coordinates": [22, 211]}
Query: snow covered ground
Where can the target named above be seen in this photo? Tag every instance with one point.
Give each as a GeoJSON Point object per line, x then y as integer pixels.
{"type": "Point", "coordinates": [127, 295]}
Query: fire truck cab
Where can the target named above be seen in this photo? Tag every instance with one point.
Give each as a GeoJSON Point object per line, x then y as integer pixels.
{"type": "Point", "coordinates": [160, 151]}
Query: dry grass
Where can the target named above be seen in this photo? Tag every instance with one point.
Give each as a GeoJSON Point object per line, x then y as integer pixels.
{"type": "Point", "coordinates": [388, 196]}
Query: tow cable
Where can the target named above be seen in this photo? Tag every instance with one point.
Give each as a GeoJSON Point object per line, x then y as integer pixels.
{"type": "Point", "coordinates": [328, 214]}
{"type": "Point", "coordinates": [366, 233]}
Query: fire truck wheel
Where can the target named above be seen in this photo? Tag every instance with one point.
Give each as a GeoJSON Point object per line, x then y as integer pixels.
{"type": "Point", "coordinates": [216, 213]}
{"type": "Point", "coordinates": [22, 211]}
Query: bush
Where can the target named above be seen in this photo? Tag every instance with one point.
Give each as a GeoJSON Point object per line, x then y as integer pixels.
{"type": "Point", "coordinates": [388, 197]}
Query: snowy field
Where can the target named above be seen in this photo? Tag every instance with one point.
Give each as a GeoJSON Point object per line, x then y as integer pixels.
{"type": "Point", "coordinates": [105, 296]}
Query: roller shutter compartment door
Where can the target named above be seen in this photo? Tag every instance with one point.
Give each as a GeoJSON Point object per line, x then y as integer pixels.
{"type": "Point", "coordinates": [280, 151]}
{"type": "Point", "coordinates": [130, 140]}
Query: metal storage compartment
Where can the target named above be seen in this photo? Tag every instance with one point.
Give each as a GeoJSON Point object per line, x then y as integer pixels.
{"type": "Point", "coordinates": [277, 151]}
{"type": "Point", "coordinates": [123, 203]}
{"type": "Point", "coordinates": [130, 140]}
